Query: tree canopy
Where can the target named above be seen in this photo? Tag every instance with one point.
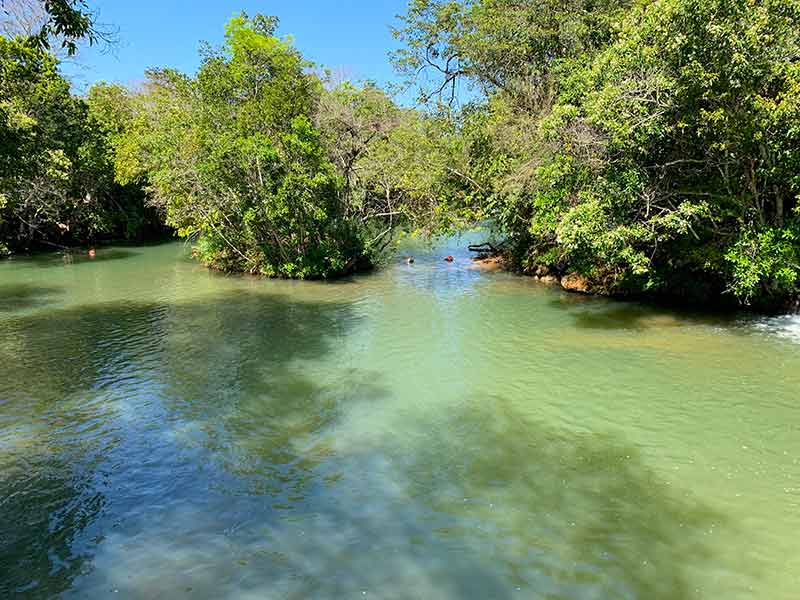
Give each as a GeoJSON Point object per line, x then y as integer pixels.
{"type": "Point", "coordinates": [56, 177]}
{"type": "Point", "coordinates": [650, 147]}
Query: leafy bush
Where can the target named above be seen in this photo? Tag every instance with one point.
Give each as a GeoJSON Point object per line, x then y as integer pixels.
{"type": "Point", "coordinates": [765, 263]}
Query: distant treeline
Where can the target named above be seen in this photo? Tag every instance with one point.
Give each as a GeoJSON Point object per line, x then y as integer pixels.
{"type": "Point", "coordinates": [649, 148]}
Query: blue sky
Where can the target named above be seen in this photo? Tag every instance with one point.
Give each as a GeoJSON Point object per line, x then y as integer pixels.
{"type": "Point", "coordinates": [352, 35]}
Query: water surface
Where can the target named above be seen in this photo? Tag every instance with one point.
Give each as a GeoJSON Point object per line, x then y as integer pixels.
{"type": "Point", "coordinates": [427, 431]}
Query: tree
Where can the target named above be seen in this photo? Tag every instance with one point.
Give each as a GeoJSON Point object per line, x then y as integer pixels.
{"type": "Point", "coordinates": [45, 22]}
{"type": "Point", "coordinates": [56, 171]}
{"type": "Point", "coordinates": [234, 158]}
{"type": "Point", "coordinates": [404, 170]}
{"type": "Point", "coordinates": [651, 147]}
{"type": "Point", "coordinates": [513, 46]}
{"type": "Point", "coordinates": [45, 147]}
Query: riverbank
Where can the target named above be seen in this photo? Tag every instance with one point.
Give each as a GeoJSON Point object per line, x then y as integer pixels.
{"type": "Point", "coordinates": [690, 296]}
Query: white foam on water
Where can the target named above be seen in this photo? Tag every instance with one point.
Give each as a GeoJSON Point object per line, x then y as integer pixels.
{"type": "Point", "coordinates": [784, 326]}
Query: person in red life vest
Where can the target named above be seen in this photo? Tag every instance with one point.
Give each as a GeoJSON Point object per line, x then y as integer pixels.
{"type": "Point", "coordinates": [448, 259]}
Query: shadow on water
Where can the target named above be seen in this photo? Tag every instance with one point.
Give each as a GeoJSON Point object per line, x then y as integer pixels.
{"type": "Point", "coordinates": [23, 296]}
{"type": "Point", "coordinates": [90, 392]}
{"type": "Point", "coordinates": [72, 257]}
{"type": "Point", "coordinates": [590, 312]}
{"type": "Point", "coordinates": [567, 515]}
{"type": "Point", "coordinates": [48, 507]}
{"type": "Point", "coordinates": [485, 504]}
{"type": "Point", "coordinates": [217, 345]}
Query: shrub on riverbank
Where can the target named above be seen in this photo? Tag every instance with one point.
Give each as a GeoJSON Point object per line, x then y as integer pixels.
{"type": "Point", "coordinates": [653, 148]}
{"type": "Point", "coordinates": [56, 179]}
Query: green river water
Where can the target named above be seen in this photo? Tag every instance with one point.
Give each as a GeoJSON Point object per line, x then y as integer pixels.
{"type": "Point", "coordinates": [426, 431]}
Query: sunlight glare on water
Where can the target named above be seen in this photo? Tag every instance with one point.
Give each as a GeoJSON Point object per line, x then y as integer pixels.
{"type": "Point", "coordinates": [426, 431]}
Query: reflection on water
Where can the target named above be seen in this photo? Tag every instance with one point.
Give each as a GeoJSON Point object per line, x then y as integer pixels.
{"type": "Point", "coordinates": [429, 431]}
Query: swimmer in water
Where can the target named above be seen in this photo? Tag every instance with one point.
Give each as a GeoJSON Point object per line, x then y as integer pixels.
{"type": "Point", "coordinates": [448, 259]}
{"type": "Point", "coordinates": [409, 260]}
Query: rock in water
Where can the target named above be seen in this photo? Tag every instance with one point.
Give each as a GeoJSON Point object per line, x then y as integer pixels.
{"type": "Point", "coordinates": [574, 282]}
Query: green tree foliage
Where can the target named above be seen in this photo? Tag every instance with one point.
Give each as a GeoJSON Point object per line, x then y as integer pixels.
{"type": "Point", "coordinates": [234, 158]}
{"type": "Point", "coordinates": [275, 171]}
{"type": "Point", "coordinates": [49, 173]}
{"type": "Point", "coordinates": [511, 46]}
{"type": "Point", "coordinates": [652, 147]}
{"type": "Point", "coordinates": [56, 177]}
{"type": "Point", "coordinates": [402, 164]}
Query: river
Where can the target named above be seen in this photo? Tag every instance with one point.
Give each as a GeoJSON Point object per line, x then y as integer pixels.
{"type": "Point", "coordinates": [426, 431]}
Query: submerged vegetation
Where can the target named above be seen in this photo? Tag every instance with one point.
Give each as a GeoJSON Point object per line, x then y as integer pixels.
{"type": "Point", "coordinates": [642, 148]}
